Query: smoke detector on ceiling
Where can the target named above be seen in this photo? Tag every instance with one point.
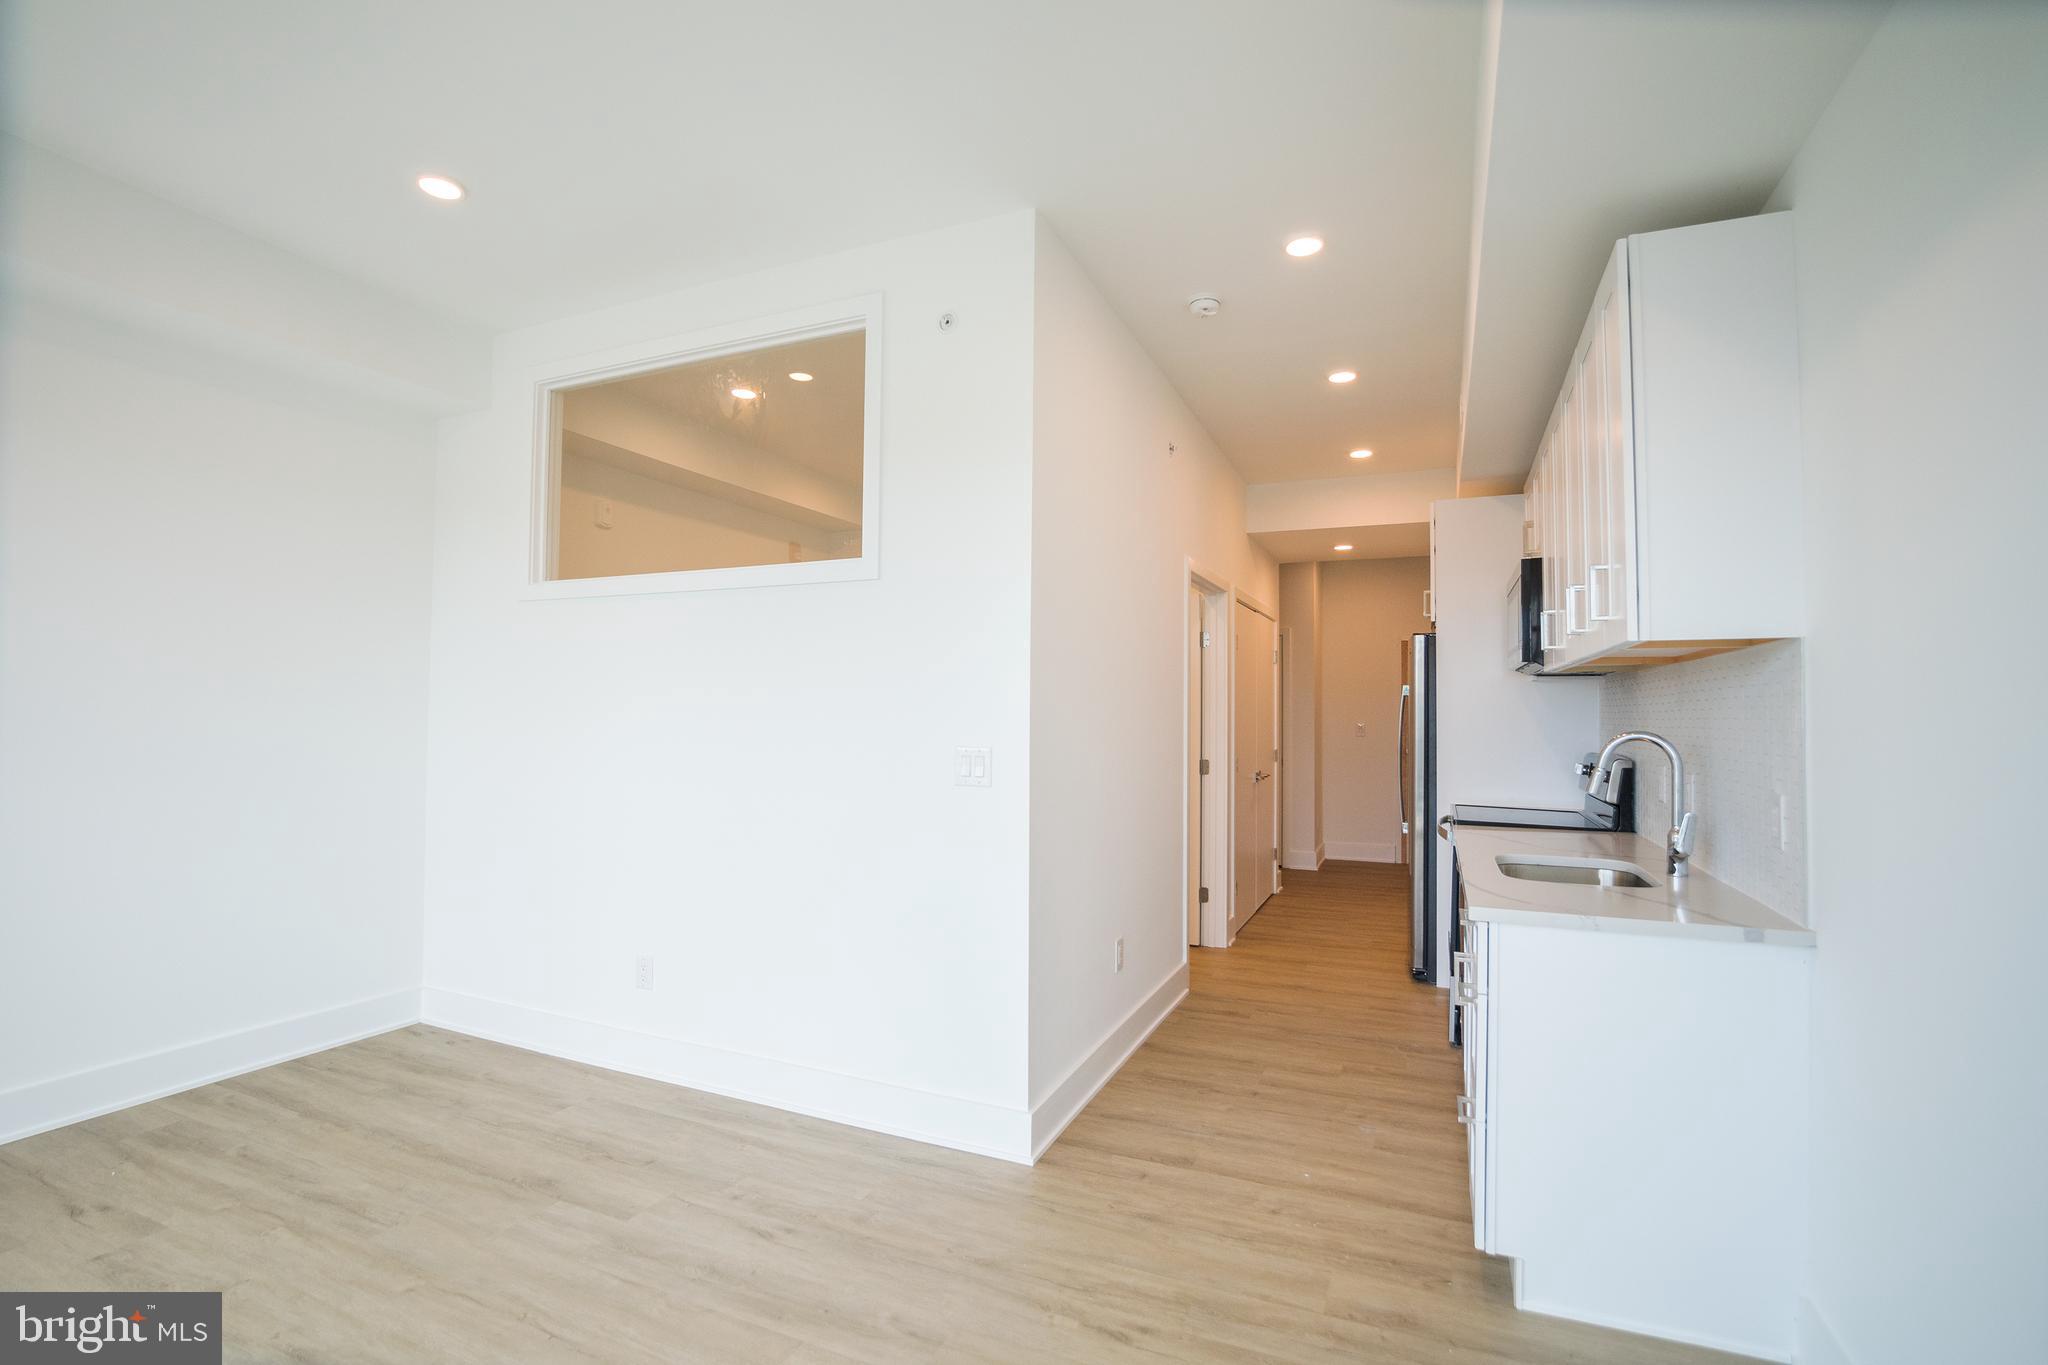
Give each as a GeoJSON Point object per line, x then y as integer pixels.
{"type": "Point", "coordinates": [1205, 305]}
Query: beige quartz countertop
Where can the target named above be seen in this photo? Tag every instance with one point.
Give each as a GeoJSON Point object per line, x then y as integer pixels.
{"type": "Point", "coordinates": [1700, 908]}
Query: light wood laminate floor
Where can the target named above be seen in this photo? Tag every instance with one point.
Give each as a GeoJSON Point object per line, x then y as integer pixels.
{"type": "Point", "coordinates": [1276, 1175]}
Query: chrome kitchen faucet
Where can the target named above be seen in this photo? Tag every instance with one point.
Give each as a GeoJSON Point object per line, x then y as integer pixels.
{"type": "Point", "coordinates": [1684, 824]}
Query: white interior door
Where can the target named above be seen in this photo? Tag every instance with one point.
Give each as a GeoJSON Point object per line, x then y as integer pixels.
{"type": "Point", "coordinates": [1196, 780]}
{"type": "Point", "coordinates": [1269, 745]}
{"type": "Point", "coordinates": [1251, 765]}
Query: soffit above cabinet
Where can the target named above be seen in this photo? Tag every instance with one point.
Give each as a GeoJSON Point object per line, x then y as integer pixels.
{"type": "Point", "coordinates": [1606, 121]}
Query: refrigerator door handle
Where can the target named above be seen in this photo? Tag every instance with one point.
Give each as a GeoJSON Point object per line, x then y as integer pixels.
{"type": "Point", "coordinates": [1400, 784]}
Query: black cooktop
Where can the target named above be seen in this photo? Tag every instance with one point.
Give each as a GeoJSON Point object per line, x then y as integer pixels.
{"type": "Point", "coordinates": [1524, 817]}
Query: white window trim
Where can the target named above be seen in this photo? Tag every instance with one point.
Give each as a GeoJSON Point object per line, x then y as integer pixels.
{"type": "Point", "coordinates": [705, 343]}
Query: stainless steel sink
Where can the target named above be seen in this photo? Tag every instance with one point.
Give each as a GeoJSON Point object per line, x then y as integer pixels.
{"type": "Point", "coordinates": [1574, 871]}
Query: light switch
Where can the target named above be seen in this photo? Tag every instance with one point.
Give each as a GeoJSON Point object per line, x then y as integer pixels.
{"type": "Point", "coordinates": [601, 513]}
{"type": "Point", "coordinates": [1358, 729]}
{"type": "Point", "coordinates": [970, 767]}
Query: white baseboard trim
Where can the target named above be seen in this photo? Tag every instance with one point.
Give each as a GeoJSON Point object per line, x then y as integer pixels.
{"type": "Point", "coordinates": [1528, 1303]}
{"type": "Point", "coordinates": [1302, 860]}
{"type": "Point", "coordinates": [1813, 1338]}
{"type": "Point", "coordinates": [1051, 1115]}
{"type": "Point", "coordinates": [42, 1105]}
{"type": "Point", "coordinates": [879, 1106]}
{"type": "Point", "coordinates": [1364, 851]}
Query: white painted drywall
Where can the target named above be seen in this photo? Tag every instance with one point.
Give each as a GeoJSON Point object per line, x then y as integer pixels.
{"type": "Point", "coordinates": [1503, 738]}
{"type": "Point", "coordinates": [754, 786]}
{"type": "Point", "coordinates": [1115, 518]}
{"type": "Point", "coordinates": [1347, 501]}
{"type": "Point", "coordinates": [1301, 788]}
{"type": "Point", "coordinates": [1921, 203]}
{"type": "Point", "coordinates": [105, 248]}
{"type": "Point", "coordinates": [1368, 609]}
{"type": "Point", "coordinates": [213, 655]}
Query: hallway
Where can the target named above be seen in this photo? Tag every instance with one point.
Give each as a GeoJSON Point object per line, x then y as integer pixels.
{"type": "Point", "coordinates": [1276, 1175]}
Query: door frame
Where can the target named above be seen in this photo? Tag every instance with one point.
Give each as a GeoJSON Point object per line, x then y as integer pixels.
{"type": "Point", "coordinates": [1192, 731]}
{"type": "Point", "coordinates": [1211, 861]}
{"type": "Point", "coordinates": [1283, 673]}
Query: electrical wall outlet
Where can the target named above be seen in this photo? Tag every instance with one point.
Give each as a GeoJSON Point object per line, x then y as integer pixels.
{"type": "Point", "coordinates": [643, 972]}
{"type": "Point", "coordinates": [1119, 954]}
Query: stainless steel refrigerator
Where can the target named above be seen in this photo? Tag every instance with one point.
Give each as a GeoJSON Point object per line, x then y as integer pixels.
{"type": "Point", "coordinates": [1417, 780]}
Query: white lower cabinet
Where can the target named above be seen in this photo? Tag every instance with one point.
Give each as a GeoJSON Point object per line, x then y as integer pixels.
{"type": "Point", "coordinates": [1468, 997]}
{"type": "Point", "coordinates": [1635, 1110]}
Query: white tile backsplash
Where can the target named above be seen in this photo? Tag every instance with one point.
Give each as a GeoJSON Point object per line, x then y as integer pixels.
{"type": "Point", "coordinates": [1739, 721]}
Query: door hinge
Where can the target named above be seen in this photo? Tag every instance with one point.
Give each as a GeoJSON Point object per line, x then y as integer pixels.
{"type": "Point", "coordinates": [1205, 767]}
{"type": "Point", "coordinates": [1276, 656]}
{"type": "Point", "coordinates": [1205, 639]}
{"type": "Point", "coordinates": [1204, 897]}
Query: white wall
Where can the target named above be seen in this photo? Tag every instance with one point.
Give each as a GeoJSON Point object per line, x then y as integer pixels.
{"type": "Point", "coordinates": [1369, 608]}
{"type": "Point", "coordinates": [1921, 203]}
{"type": "Point", "coordinates": [754, 786]}
{"type": "Point", "coordinates": [1739, 721]}
{"type": "Point", "coordinates": [1503, 738]}
{"type": "Point", "coordinates": [1115, 518]}
{"type": "Point", "coordinates": [213, 652]}
{"type": "Point", "coordinates": [1353, 500]}
{"type": "Point", "coordinates": [1301, 787]}
{"type": "Point", "coordinates": [106, 249]}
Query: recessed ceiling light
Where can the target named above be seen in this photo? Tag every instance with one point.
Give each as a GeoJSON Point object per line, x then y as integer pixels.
{"type": "Point", "coordinates": [800, 376]}
{"type": "Point", "coordinates": [742, 392]}
{"type": "Point", "coordinates": [1361, 454]}
{"type": "Point", "coordinates": [1304, 246]}
{"type": "Point", "coordinates": [1341, 548]}
{"type": "Point", "coordinates": [441, 187]}
{"type": "Point", "coordinates": [1343, 376]}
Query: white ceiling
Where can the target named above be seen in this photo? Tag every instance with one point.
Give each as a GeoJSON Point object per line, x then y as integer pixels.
{"type": "Point", "coordinates": [621, 147]}
{"type": "Point", "coordinates": [613, 148]}
{"type": "Point", "coordinates": [1399, 540]}
{"type": "Point", "coordinates": [1613, 118]}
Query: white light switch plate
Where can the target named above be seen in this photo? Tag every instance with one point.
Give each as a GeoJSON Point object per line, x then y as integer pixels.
{"type": "Point", "coordinates": [970, 767]}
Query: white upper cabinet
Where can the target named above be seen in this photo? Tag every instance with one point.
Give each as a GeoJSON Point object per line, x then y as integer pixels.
{"type": "Point", "coordinates": [1665, 497]}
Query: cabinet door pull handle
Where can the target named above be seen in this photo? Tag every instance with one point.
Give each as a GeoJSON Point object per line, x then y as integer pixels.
{"type": "Point", "coordinates": [1543, 630]}
{"type": "Point", "coordinates": [1593, 592]}
{"type": "Point", "coordinates": [1575, 593]}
